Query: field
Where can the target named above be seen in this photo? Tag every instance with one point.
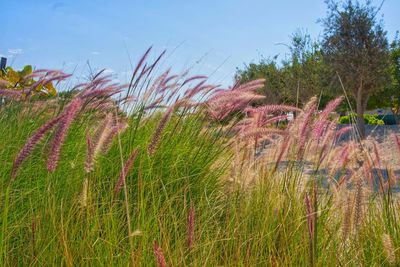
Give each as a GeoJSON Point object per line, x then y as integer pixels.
{"type": "Point", "coordinates": [171, 171]}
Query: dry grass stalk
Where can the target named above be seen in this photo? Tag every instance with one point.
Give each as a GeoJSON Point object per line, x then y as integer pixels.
{"type": "Point", "coordinates": [96, 144]}
{"type": "Point", "coordinates": [358, 205]}
{"type": "Point", "coordinates": [389, 248]}
{"type": "Point", "coordinates": [102, 131]}
{"type": "Point", "coordinates": [83, 200]}
{"type": "Point", "coordinates": [346, 224]}
{"type": "Point", "coordinates": [397, 141]}
{"type": "Point", "coordinates": [33, 229]}
{"type": "Point", "coordinates": [190, 227]}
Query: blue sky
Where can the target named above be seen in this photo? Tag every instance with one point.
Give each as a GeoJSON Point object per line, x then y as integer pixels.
{"type": "Point", "coordinates": [210, 37]}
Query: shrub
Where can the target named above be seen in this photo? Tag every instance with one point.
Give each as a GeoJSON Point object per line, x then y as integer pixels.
{"type": "Point", "coordinates": [368, 119]}
{"type": "Point", "coordinates": [27, 82]}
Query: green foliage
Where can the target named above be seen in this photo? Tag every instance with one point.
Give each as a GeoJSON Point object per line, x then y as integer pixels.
{"type": "Point", "coordinates": [306, 69]}
{"type": "Point", "coordinates": [44, 223]}
{"type": "Point", "coordinates": [389, 96]}
{"type": "Point", "coordinates": [275, 87]}
{"type": "Point", "coordinates": [295, 80]}
{"type": "Point", "coordinates": [17, 80]}
{"type": "Point", "coordinates": [368, 119]}
{"type": "Point", "coordinates": [355, 48]}
{"type": "Point", "coordinates": [161, 188]}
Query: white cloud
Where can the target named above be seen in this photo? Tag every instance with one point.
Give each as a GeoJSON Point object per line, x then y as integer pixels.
{"type": "Point", "coordinates": [95, 53]}
{"type": "Point", "coordinates": [15, 51]}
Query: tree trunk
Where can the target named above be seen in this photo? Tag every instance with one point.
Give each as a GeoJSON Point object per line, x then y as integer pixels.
{"type": "Point", "coordinates": [360, 113]}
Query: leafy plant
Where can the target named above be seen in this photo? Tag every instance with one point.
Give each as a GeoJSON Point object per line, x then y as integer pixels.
{"type": "Point", "coordinates": [356, 48]}
{"type": "Point", "coordinates": [25, 78]}
{"type": "Point", "coordinates": [368, 119]}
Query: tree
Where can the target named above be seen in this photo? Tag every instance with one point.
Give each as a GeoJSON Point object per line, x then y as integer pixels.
{"type": "Point", "coordinates": [305, 68]}
{"type": "Point", "coordinates": [275, 88]}
{"type": "Point", "coordinates": [355, 47]}
{"type": "Point", "coordinates": [395, 88]}
{"type": "Point", "coordinates": [392, 92]}
{"type": "Point", "coordinates": [296, 79]}
{"type": "Point", "coordinates": [389, 97]}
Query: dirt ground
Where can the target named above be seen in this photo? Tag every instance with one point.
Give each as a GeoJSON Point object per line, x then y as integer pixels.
{"type": "Point", "coordinates": [383, 136]}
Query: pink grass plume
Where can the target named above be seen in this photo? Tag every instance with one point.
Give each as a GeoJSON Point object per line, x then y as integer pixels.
{"type": "Point", "coordinates": [309, 213]}
{"type": "Point", "coordinates": [89, 155]}
{"type": "Point", "coordinates": [397, 141]}
{"type": "Point", "coordinates": [125, 170]}
{"type": "Point", "coordinates": [190, 227]}
{"type": "Point", "coordinates": [159, 255]}
{"type": "Point", "coordinates": [31, 143]}
{"type": "Point", "coordinates": [343, 131]}
{"type": "Point", "coordinates": [69, 113]}
{"type": "Point", "coordinates": [10, 93]}
{"type": "Point", "coordinates": [151, 149]}
{"type": "Point", "coordinates": [320, 125]}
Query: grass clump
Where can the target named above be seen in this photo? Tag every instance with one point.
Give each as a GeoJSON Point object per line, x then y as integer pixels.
{"type": "Point", "coordinates": [159, 172]}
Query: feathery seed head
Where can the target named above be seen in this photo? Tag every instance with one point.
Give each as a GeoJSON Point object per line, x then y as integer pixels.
{"type": "Point", "coordinates": [159, 255]}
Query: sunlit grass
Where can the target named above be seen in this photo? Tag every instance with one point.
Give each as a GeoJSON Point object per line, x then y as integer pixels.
{"type": "Point", "coordinates": [246, 190]}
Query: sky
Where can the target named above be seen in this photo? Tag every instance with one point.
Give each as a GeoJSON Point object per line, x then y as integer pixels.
{"type": "Point", "coordinates": [209, 37]}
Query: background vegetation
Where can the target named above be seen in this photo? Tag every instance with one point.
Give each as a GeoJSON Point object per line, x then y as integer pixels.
{"type": "Point", "coordinates": [169, 170]}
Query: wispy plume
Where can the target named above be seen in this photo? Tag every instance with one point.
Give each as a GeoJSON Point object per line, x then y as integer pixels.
{"type": "Point", "coordinates": [198, 77]}
{"type": "Point", "coordinates": [223, 102]}
{"type": "Point", "coordinates": [271, 108]}
{"type": "Point", "coordinates": [358, 203]}
{"type": "Point", "coordinates": [151, 149]}
{"type": "Point", "coordinates": [304, 127]}
{"type": "Point", "coordinates": [321, 123]}
{"type": "Point", "coordinates": [343, 131]}
{"type": "Point", "coordinates": [11, 94]}
{"type": "Point", "coordinates": [115, 130]}
{"type": "Point", "coordinates": [4, 84]}
{"type": "Point", "coordinates": [346, 224]}
{"type": "Point", "coordinates": [397, 141]}
{"type": "Point", "coordinates": [389, 248]}
{"type": "Point", "coordinates": [89, 154]}
{"type": "Point", "coordinates": [69, 115]}
{"type": "Point", "coordinates": [32, 142]}
{"type": "Point", "coordinates": [159, 255]}
{"type": "Point", "coordinates": [103, 130]}
{"type": "Point", "coordinates": [125, 171]}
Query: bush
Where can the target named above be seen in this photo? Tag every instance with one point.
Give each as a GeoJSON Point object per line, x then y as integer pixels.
{"type": "Point", "coordinates": [368, 119]}
{"type": "Point", "coordinates": [23, 79]}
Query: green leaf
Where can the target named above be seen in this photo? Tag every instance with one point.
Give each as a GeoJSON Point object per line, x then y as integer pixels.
{"type": "Point", "coordinates": [25, 71]}
{"type": "Point", "coordinates": [50, 89]}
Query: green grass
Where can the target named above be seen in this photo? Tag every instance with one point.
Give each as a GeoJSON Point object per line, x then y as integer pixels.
{"type": "Point", "coordinates": [43, 222]}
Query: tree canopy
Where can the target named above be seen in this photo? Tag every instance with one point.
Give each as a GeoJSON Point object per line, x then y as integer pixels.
{"type": "Point", "coordinates": [355, 47]}
{"type": "Point", "coordinates": [353, 52]}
